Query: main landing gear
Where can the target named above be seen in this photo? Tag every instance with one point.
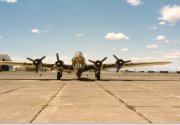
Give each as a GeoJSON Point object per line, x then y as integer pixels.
{"type": "Point", "coordinates": [59, 75]}
{"type": "Point", "coordinates": [78, 75]}
{"type": "Point", "coordinates": [98, 74]}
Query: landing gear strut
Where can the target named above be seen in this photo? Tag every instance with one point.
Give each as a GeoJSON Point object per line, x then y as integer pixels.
{"type": "Point", "coordinates": [59, 75]}
{"type": "Point", "coordinates": [98, 74]}
{"type": "Point", "coordinates": [78, 75]}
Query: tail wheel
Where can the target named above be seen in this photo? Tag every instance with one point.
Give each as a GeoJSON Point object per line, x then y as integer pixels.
{"type": "Point", "coordinates": [59, 75]}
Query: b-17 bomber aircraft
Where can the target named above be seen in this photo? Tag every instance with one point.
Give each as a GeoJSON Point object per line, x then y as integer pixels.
{"type": "Point", "coordinates": [79, 65]}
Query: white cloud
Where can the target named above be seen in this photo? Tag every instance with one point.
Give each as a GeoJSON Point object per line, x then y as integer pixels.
{"type": "Point", "coordinates": [35, 31]}
{"type": "Point", "coordinates": [169, 55]}
{"type": "Point", "coordinates": [162, 23]}
{"type": "Point", "coordinates": [165, 40]}
{"type": "Point", "coordinates": [46, 30]}
{"type": "Point", "coordinates": [134, 2]}
{"type": "Point", "coordinates": [1, 37]}
{"type": "Point", "coordinates": [79, 35]}
{"type": "Point", "coordinates": [171, 24]}
{"type": "Point", "coordinates": [170, 14]}
{"type": "Point", "coordinates": [158, 52]}
{"type": "Point", "coordinates": [147, 59]}
{"type": "Point", "coordinates": [172, 54]}
{"type": "Point", "coordinates": [160, 38]}
{"type": "Point", "coordinates": [9, 1]}
{"type": "Point", "coordinates": [154, 27]}
{"type": "Point", "coordinates": [120, 50]}
{"type": "Point", "coordinates": [114, 49]}
{"type": "Point", "coordinates": [152, 46]}
{"type": "Point", "coordinates": [172, 41]}
{"type": "Point", "coordinates": [116, 36]}
{"type": "Point", "coordinates": [18, 59]}
{"type": "Point", "coordinates": [124, 49]}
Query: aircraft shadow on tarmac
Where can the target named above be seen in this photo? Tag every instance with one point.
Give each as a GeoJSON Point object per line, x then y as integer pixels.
{"type": "Point", "coordinates": [90, 80]}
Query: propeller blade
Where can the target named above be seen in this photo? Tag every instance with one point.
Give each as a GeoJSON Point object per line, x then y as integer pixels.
{"type": "Point", "coordinates": [91, 61]}
{"type": "Point", "coordinates": [53, 67]}
{"type": "Point", "coordinates": [43, 58]}
{"type": "Point", "coordinates": [30, 59]}
{"type": "Point", "coordinates": [59, 64]}
{"type": "Point", "coordinates": [127, 61]}
{"type": "Point", "coordinates": [37, 63]}
{"type": "Point", "coordinates": [115, 57]}
{"type": "Point", "coordinates": [57, 55]}
{"type": "Point", "coordinates": [104, 59]}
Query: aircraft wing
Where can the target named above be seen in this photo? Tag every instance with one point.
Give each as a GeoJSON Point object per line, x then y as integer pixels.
{"type": "Point", "coordinates": [30, 65]}
{"type": "Point", "coordinates": [10, 63]}
{"type": "Point", "coordinates": [127, 65]}
{"type": "Point", "coordinates": [141, 64]}
{"type": "Point", "coordinates": [89, 67]}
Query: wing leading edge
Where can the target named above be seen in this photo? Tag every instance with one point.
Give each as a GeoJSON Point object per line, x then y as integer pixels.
{"type": "Point", "coordinates": [30, 65]}
{"type": "Point", "coordinates": [142, 64]}
{"type": "Point", "coordinates": [88, 67]}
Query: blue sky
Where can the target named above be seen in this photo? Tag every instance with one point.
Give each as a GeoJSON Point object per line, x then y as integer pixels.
{"type": "Point", "coordinates": [141, 30]}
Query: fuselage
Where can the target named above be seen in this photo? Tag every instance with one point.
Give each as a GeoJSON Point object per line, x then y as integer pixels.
{"type": "Point", "coordinates": [78, 63]}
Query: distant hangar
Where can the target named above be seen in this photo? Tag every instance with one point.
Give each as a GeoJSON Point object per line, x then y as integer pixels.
{"type": "Point", "coordinates": [4, 57]}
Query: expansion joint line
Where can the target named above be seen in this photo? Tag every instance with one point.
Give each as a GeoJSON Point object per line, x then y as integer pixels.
{"type": "Point", "coordinates": [47, 104]}
{"type": "Point", "coordinates": [157, 92]}
{"type": "Point", "coordinates": [11, 90]}
{"type": "Point", "coordinates": [127, 105]}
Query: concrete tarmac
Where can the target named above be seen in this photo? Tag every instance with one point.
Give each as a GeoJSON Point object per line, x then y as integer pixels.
{"type": "Point", "coordinates": [26, 97]}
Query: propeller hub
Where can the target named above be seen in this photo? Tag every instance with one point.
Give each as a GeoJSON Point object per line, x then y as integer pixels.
{"type": "Point", "coordinates": [59, 63]}
{"type": "Point", "coordinates": [37, 62]}
{"type": "Point", "coordinates": [120, 62]}
{"type": "Point", "coordinates": [98, 64]}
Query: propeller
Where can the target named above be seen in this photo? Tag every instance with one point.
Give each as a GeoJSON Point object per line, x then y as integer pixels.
{"type": "Point", "coordinates": [37, 62]}
{"type": "Point", "coordinates": [120, 63]}
{"type": "Point", "coordinates": [98, 64]}
{"type": "Point", "coordinates": [59, 63]}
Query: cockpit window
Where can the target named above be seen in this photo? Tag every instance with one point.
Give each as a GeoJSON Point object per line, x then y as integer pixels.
{"type": "Point", "coordinates": [78, 53]}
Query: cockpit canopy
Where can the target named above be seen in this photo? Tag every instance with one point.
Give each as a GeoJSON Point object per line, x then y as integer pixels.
{"type": "Point", "coordinates": [78, 57]}
{"type": "Point", "coordinates": [78, 54]}
{"type": "Point", "coordinates": [78, 61]}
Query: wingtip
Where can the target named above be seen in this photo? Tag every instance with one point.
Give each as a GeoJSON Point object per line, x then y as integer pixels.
{"type": "Point", "coordinates": [164, 63]}
{"type": "Point", "coordinates": [169, 62]}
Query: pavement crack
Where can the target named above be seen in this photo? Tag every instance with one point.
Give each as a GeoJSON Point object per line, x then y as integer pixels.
{"type": "Point", "coordinates": [175, 106]}
{"type": "Point", "coordinates": [127, 105]}
{"type": "Point", "coordinates": [11, 90]}
{"type": "Point", "coordinates": [44, 106]}
{"type": "Point", "coordinates": [147, 106]}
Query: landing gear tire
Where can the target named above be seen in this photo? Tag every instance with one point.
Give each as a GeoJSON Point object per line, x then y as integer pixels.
{"type": "Point", "coordinates": [59, 75]}
{"type": "Point", "coordinates": [98, 76]}
{"type": "Point", "coordinates": [79, 76]}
